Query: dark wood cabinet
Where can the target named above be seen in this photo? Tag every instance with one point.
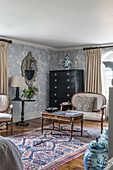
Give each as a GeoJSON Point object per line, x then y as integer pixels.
{"type": "Point", "coordinates": [63, 84]}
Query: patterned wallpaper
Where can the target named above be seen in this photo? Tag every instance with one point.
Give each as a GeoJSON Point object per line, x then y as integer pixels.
{"type": "Point", "coordinates": [46, 60]}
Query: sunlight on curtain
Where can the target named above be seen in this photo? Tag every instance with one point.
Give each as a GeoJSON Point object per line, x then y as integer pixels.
{"type": "Point", "coordinates": [3, 68]}
{"type": "Point", "coordinates": [93, 71]}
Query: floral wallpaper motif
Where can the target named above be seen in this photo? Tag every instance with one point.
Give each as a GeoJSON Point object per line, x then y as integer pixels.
{"type": "Point", "coordinates": [46, 60]}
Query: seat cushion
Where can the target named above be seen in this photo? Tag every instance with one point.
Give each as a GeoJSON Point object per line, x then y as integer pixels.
{"type": "Point", "coordinates": [85, 103]}
{"type": "Point", "coordinates": [5, 116]}
{"type": "Point", "coordinates": [96, 116]}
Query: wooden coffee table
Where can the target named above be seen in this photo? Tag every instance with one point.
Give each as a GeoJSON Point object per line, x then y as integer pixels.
{"type": "Point", "coordinates": [68, 117]}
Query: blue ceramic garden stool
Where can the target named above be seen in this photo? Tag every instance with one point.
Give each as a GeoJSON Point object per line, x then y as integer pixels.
{"type": "Point", "coordinates": [96, 156]}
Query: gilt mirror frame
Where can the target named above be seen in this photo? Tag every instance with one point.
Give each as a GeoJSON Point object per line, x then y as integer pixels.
{"type": "Point", "coordinates": [23, 68]}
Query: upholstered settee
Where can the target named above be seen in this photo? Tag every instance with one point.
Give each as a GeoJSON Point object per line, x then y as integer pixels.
{"type": "Point", "coordinates": [92, 105]}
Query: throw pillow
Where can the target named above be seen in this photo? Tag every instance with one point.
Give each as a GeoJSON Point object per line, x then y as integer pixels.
{"type": "Point", "coordinates": [85, 104]}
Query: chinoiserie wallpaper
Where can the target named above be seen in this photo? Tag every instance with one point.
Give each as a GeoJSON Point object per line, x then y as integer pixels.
{"type": "Point", "coordinates": [46, 60]}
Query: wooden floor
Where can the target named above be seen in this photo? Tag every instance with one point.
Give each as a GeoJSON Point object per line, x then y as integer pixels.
{"type": "Point", "coordinates": [76, 164]}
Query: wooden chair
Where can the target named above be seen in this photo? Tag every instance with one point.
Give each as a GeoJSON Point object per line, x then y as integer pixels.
{"type": "Point", "coordinates": [6, 115]}
{"type": "Point", "coordinates": [98, 111]}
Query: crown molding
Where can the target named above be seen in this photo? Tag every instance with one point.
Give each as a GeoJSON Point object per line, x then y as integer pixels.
{"type": "Point", "coordinates": [21, 42]}
{"type": "Point", "coordinates": [16, 41]}
{"type": "Point", "coordinates": [85, 46]}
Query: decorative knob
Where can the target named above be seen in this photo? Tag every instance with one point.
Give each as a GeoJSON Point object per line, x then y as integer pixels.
{"type": "Point", "coordinates": [67, 73]}
{"type": "Point", "coordinates": [55, 74]}
{"type": "Point", "coordinates": [55, 87]}
{"type": "Point", "coordinates": [55, 101]}
{"type": "Point", "coordinates": [67, 95]}
{"type": "Point", "coordinates": [67, 79]}
{"type": "Point", "coordinates": [55, 80]}
{"type": "Point", "coordinates": [68, 87]}
{"type": "Point", "coordinates": [55, 94]}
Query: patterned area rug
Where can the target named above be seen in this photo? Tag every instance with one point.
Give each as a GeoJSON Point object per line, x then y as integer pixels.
{"type": "Point", "coordinates": [49, 151]}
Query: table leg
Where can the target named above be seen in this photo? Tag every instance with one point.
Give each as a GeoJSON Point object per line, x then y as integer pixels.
{"type": "Point", "coordinates": [81, 126]}
{"type": "Point", "coordinates": [53, 124]}
{"type": "Point", "coordinates": [22, 122]}
{"type": "Point", "coordinates": [71, 128]}
{"type": "Point", "coordinates": [42, 124]}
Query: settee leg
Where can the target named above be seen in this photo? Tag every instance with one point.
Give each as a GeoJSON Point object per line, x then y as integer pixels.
{"type": "Point", "coordinates": [7, 125]}
{"type": "Point", "coordinates": [101, 127]}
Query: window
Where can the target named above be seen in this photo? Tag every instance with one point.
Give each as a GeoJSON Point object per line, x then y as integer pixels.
{"type": "Point", "coordinates": [107, 73]}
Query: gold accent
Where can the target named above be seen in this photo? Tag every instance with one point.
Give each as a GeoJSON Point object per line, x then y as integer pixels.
{"type": "Point", "coordinates": [55, 101]}
{"type": "Point", "coordinates": [55, 80]}
{"type": "Point", "coordinates": [67, 79]}
{"type": "Point", "coordinates": [55, 74]}
{"type": "Point", "coordinates": [68, 95]}
{"type": "Point", "coordinates": [67, 73]}
{"type": "Point", "coordinates": [55, 94]}
{"type": "Point", "coordinates": [68, 87]}
{"type": "Point", "coordinates": [55, 87]}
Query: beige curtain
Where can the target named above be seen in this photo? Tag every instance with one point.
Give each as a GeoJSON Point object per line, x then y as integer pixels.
{"type": "Point", "coordinates": [93, 71]}
{"type": "Point", "coordinates": [3, 68]}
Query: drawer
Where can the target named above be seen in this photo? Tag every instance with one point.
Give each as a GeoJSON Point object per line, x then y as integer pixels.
{"type": "Point", "coordinates": [57, 94]}
{"type": "Point", "coordinates": [62, 87]}
{"type": "Point", "coordinates": [64, 73]}
{"type": "Point", "coordinates": [62, 80]}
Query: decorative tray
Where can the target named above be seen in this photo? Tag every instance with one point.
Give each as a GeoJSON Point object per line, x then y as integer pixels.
{"type": "Point", "coordinates": [51, 109]}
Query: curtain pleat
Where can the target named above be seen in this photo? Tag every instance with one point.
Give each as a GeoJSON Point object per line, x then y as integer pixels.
{"type": "Point", "coordinates": [3, 68]}
{"type": "Point", "coordinates": [93, 71]}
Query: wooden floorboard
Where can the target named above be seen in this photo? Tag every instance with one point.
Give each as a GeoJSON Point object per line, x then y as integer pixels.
{"type": "Point", "coordinates": [76, 164]}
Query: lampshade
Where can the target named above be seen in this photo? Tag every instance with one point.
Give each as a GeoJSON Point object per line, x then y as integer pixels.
{"type": "Point", "coordinates": [18, 82]}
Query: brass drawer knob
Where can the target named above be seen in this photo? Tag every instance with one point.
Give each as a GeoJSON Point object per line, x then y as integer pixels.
{"type": "Point", "coordinates": [67, 79]}
{"type": "Point", "coordinates": [55, 87]}
{"type": "Point", "coordinates": [55, 74]}
{"type": "Point", "coordinates": [68, 87]}
{"type": "Point", "coordinates": [67, 74]}
{"type": "Point", "coordinates": [55, 80]}
{"type": "Point", "coordinates": [55, 94]}
{"type": "Point", "coordinates": [68, 95]}
{"type": "Point", "coordinates": [55, 101]}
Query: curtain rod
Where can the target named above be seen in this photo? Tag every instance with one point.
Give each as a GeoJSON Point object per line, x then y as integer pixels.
{"type": "Point", "coordinates": [91, 48]}
{"type": "Point", "coordinates": [8, 41]}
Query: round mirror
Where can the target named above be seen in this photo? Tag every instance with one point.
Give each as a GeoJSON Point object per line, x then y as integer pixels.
{"type": "Point", "coordinates": [29, 68]}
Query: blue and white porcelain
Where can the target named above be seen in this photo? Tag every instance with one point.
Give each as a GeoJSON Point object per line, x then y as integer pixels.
{"type": "Point", "coordinates": [96, 156]}
{"type": "Point", "coordinates": [104, 137]}
{"type": "Point", "coordinates": [67, 63]}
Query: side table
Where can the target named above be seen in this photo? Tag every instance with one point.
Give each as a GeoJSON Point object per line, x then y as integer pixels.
{"type": "Point", "coordinates": [22, 122]}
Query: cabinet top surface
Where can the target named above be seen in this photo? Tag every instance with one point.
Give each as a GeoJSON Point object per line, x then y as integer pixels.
{"type": "Point", "coordinates": [67, 70]}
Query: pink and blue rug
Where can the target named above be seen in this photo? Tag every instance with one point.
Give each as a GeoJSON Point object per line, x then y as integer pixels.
{"type": "Point", "coordinates": [41, 152]}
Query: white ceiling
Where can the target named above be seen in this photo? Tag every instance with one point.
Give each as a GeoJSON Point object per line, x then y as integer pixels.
{"type": "Point", "coordinates": [58, 23]}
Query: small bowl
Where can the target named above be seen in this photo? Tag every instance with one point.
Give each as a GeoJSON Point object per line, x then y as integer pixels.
{"type": "Point", "coordinates": [51, 109]}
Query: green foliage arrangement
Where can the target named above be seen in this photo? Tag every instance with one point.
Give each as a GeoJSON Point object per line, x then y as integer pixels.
{"type": "Point", "coordinates": [30, 92]}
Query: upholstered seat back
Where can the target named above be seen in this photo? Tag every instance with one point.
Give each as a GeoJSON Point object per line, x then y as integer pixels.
{"type": "Point", "coordinates": [4, 103]}
{"type": "Point", "coordinates": [98, 102]}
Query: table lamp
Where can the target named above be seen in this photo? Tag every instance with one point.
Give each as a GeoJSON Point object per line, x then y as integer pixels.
{"type": "Point", "coordinates": [17, 82]}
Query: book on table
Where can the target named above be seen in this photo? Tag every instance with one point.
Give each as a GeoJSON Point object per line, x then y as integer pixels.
{"type": "Point", "coordinates": [67, 113]}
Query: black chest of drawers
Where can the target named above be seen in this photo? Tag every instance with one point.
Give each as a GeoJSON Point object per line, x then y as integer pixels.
{"type": "Point", "coordinates": [63, 84]}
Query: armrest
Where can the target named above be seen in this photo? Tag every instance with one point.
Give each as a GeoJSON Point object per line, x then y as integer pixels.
{"type": "Point", "coordinates": [103, 107]}
{"type": "Point", "coordinates": [11, 107]}
{"type": "Point", "coordinates": [64, 104]}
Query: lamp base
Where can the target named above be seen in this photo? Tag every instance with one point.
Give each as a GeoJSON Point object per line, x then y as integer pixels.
{"type": "Point", "coordinates": [17, 98]}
